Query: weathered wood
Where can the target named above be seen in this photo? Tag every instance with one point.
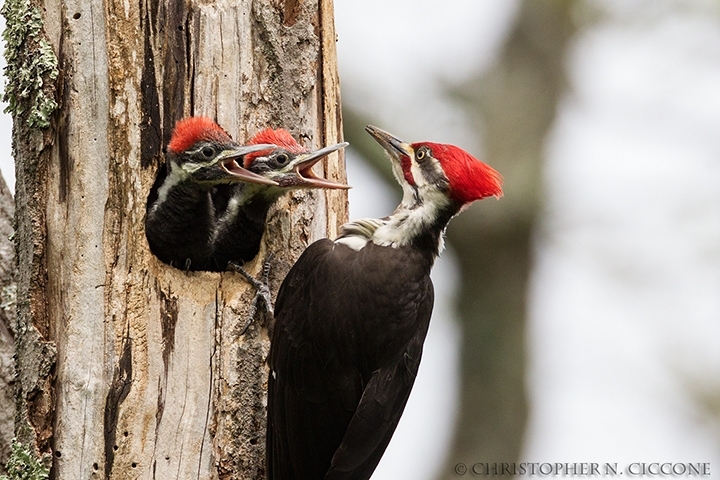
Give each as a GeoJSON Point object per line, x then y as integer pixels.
{"type": "Point", "coordinates": [158, 373]}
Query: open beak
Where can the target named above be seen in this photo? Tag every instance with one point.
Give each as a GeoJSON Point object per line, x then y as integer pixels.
{"type": "Point", "coordinates": [227, 161]}
{"type": "Point", "coordinates": [393, 145]}
{"type": "Point", "coordinates": [302, 168]}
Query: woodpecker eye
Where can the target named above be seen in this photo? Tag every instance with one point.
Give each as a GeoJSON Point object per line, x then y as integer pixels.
{"type": "Point", "coordinates": [282, 159]}
{"type": "Point", "coordinates": [208, 152]}
{"type": "Point", "coordinates": [421, 154]}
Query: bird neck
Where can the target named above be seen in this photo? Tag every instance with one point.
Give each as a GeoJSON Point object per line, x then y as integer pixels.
{"type": "Point", "coordinates": [178, 189]}
{"type": "Point", "coordinates": [413, 223]}
{"type": "Point", "coordinates": [178, 182]}
{"type": "Point", "coordinates": [252, 201]}
{"type": "Point", "coordinates": [183, 204]}
{"type": "Point", "coordinates": [239, 230]}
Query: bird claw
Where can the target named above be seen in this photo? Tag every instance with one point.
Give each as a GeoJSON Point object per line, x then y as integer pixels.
{"type": "Point", "coordinates": [263, 297]}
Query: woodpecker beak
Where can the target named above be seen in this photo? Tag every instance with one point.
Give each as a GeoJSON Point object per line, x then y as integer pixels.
{"type": "Point", "coordinates": [302, 174]}
{"type": "Point", "coordinates": [226, 160]}
{"type": "Point", "coordinates": [393, 145]}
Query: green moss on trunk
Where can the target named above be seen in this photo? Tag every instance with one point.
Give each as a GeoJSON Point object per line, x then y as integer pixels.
{"type": "Point", "coordinates": [23, 465]}
{"type": "Point", "coordinates": [32, 66]}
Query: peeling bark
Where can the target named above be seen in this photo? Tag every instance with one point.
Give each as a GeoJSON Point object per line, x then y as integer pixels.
{"type": "Point", "coordinates": [129, 367]}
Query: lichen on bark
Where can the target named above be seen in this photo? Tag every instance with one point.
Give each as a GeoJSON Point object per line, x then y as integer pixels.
{"type": "Point", "coordinates": [23, 465]}
{"type": "Point", "coordinates": [32, 65]}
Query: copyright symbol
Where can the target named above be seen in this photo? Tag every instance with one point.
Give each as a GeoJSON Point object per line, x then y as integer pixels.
{"type": "Point", "coordinates": [461, 469]}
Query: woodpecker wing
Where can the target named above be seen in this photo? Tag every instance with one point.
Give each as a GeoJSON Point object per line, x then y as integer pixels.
{"type": "Point", "coordinates": [377, 416]}
{"type": "Point", "coordinates": [346, 346]}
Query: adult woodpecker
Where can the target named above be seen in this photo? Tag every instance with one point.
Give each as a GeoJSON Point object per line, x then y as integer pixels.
{"type": "Point", "coordinates": [245, 206]}
{"type": "Point", "coordinates": [180, 218]}
{"type": "Point", "coordinates": [351, 318]}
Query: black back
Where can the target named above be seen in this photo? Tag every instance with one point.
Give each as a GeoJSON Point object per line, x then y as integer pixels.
{"type": "Point", "coordinates": [346, 347]}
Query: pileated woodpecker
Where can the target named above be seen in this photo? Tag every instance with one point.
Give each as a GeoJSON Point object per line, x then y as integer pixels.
{"type": "Point", "coordinates": [351, 318]}
{"type": "Point", "coordinates": [245, 206]}
{"type": "Point", "coordinates": [180, 217]}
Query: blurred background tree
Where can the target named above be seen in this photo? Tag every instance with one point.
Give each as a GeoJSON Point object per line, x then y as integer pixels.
{"type": "Point", "coordinates": [587, 297]}
{"type": "Point", "coordinates": [513, 104]}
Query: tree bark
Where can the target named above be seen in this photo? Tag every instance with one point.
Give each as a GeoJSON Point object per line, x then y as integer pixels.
{"type": "Point", "coordinates": [7, 323]}
{"type": "Point", "coordinates": [129, 367]}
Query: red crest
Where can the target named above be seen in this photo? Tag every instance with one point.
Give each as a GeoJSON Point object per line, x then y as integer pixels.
{"type": "Point", "coordinates": [189, 131]}
{"type": "Point", "coordinates": [279, 137]}
{"type": "Point", "coordinates": [470, 179]}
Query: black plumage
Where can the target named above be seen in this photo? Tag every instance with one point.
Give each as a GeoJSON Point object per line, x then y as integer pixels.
{"type": "Point", "coordinates": [209, 203]}
{"type": "Point", "coordinates": [352, 315]}
{"type": "Point", "coordinates": [240, 228]}
{"type": "Point", "coordinates": [345, 352]}
{"type": "Point", "coordinates": [179, 230]}
{"type": "Point", "coordinates": [181, 216]}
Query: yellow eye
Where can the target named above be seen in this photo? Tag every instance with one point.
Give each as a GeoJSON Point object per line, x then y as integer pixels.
{"type": "Point", "coordinates": [420, 155]}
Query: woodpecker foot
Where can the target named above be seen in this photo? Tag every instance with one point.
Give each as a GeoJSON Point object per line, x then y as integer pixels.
{"type": "Point", "coordinates": [263, 298]}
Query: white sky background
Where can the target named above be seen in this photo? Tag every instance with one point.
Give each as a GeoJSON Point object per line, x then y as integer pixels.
{"type": "Point", "coordinates": [625, 307]}
{"type": "Point", "coordinates": [7, 167]}
{"type": "Point", "coordinates": [625, 299]}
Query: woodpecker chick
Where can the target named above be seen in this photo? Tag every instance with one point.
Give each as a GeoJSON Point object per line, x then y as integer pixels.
{"type": "Point", "coordinates": [180, 218]}
{"type": "Point", "coordinates": [289, 167]}
{"type": "Point", "coordinates": [352, 315]}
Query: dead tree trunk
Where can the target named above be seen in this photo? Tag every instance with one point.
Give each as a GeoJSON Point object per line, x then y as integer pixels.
{"type": "Point", "coordinates": [128, 367]}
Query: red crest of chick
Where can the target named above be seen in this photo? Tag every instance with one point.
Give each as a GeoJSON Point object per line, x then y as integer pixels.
{"type": "Point", "coordinates": [279, 137]}
{"type": "Point", "coordinates": [189, 131]}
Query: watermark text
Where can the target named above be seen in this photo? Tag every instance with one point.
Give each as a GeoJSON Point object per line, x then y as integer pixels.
{"type": "Point", "coordinates": [583, 469]}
